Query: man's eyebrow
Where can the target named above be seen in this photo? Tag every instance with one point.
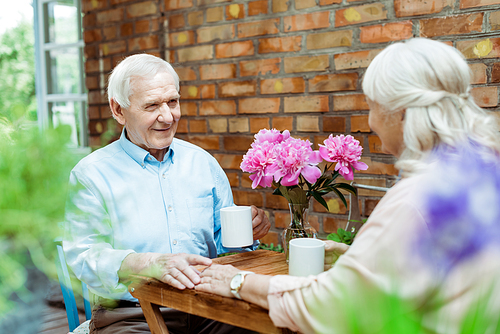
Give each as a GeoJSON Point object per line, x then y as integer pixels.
{"type": "Point", "coordinates": [155, 101]}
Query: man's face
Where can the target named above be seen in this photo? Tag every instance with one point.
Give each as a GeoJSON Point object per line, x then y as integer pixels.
{"type": "Point", "coordinates": [154, 113]}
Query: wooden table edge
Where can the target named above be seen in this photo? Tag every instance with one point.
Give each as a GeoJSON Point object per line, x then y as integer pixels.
{"type": "Point", "coordinates": [145, 290]}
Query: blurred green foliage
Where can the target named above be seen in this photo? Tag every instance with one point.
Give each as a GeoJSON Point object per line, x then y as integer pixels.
{"type": "Point", "coordinates": [271, 247]}
{"type": "Point", "coordinates": [368, 309]}
{"type": "Point", "coordinates": [343, 236]}
{"type": "Point", "coordinates": [17, 70]}
{"type": "Point", "coordinates": [34, 172]}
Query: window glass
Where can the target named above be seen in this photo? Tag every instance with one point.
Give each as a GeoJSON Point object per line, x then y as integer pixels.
{"type": "Point", "coordinates": [63, 72]}
{"type": "Point", "coordinates": [62, 27]}
{"type": "Point", "coordinates": [69, 113]}
{"type": "Point", "coordinates": [61, 92]}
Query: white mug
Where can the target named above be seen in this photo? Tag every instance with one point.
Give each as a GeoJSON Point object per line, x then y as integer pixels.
{"type": "Point", "coordinates": [307, 257]}
{"type": "Point", "coordinates": [236, 226]}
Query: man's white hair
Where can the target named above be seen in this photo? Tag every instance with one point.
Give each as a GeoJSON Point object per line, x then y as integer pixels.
{"type": "Point", "coordinates": [431, 81]}
{"type": "Point", "coordinates": [139, 65]}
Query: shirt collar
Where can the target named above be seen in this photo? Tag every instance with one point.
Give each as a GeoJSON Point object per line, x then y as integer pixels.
{"type": "Point", "coordinates": [140, 155]}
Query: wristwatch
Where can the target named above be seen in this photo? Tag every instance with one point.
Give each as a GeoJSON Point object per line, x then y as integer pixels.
{"type": "Point", "coordinates": [237, 282]}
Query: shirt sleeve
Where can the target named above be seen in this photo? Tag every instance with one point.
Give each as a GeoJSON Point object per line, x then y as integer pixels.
{"type": "Point", "coordinates": [88, 241]}
{"type": "Point", "coordinates": [377, 265]}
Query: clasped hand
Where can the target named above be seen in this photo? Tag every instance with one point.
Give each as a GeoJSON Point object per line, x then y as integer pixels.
{"type": "Point", "coordinates": [178, 270]}
{"type": "Point", "coordinates": [216, 278]}
{"type": "Point", "coordinates": [174, 269]}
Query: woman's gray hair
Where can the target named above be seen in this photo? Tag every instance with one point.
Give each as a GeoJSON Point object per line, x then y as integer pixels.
{"type": "Point", "coordinates": [139, 65]}
{"type": "Point", "coordinates": [431, 81]}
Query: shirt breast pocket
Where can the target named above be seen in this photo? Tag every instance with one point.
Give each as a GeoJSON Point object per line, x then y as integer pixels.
{"type": "Point", "coordinates": [201, 216]}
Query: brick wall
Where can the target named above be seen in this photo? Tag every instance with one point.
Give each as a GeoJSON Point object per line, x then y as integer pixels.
{"type": "Point", "coordinates": [285, 64]}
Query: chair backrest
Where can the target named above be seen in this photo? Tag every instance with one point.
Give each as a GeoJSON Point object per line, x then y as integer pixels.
{"type": "Point", "coordinates": [354, 218]}
{"type": "Point", "coordinates": [67, 292]}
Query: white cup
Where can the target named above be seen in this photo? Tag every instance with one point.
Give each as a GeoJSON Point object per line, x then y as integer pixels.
{"type": "Point", "coordinates": [307, 257]}
{"type": "Point", "coordinates": [236, 226]}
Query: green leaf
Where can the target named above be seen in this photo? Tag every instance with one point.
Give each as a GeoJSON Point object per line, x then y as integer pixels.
{"type": "Point", "coordinates": [347, 187]}
{"type": "Point", "coordinates": [319, 183]}
{"type": "Point", "coordinates": [333, 237]}
{"type": "Point", "coordinates": [340, 195]}
{"type": "Point", "coordinates": [341, 232]}
{"type": "Point", "coordinates": [320, 199]}
{"type": "Point", "coordinates": [271, 247]}
{"type": "Point", "coordinates": [329, 181]}
{"type": "Point", "coordinates": [284, 192]}
{"type": "Point", "coordinates": [297, 195]}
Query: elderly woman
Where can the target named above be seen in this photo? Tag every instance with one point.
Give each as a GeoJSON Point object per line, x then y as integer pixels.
{"type": "Point", "coordinates": [411, 264]}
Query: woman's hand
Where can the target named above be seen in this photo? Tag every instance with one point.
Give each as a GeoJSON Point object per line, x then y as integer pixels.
{"type": "Point", "coordinates": [217, 279]}
{"type": "Point", "coordinates": [333, 250]}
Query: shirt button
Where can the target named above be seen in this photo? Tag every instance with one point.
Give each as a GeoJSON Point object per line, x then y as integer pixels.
{"type": "Point", "coordinates": [175, 242]}
{"type": "Point", "coordinates": [149, 158]}
{"type": "Point", "coordinates": [164, 176]}
{"type": "Point", "coordinates": [170, 208]}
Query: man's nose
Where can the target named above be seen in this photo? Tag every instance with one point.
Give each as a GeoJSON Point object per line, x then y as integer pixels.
{"type": "Point", "coordinates": [165, 114]}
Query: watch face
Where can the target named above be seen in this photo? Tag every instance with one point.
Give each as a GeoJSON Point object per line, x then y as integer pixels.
{"type": "Point", "coordinates": [236, 281]}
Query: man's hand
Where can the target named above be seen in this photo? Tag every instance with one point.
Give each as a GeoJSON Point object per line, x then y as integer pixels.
{"type": "Point", "coordinates": [333, 250]}
{"type": "Point", "coordinates": [260, 223]}
{"type": "Point", "coordinates": [177, 271]}
{"type": "Point", "coordinates": [174, 269]}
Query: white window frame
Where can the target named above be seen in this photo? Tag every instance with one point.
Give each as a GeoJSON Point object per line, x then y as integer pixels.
{"type": "Point", "coordinates": [44, 99]}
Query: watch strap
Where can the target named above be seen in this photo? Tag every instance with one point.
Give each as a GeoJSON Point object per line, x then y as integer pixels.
{"type": "Point", "coordinates": [243, 274]}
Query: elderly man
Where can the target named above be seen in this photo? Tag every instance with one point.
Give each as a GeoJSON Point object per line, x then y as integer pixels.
{"type": "Point", "coordinates": [146, 204]}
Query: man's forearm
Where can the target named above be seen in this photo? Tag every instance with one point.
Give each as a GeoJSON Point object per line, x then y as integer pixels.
{"type": "Point", "coordinates": [175, 269]}
{"type": "Point", "coordinates": [137, 264]}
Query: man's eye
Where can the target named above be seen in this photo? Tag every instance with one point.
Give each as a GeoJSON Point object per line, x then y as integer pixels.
{"type": "Point", "coordinates": [172, 103]}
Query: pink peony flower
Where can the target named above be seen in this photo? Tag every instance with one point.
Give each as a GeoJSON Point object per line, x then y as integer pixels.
{"type": "Point", "coordinates": [257, 160]}
{"type": "Point", "coordinates": [272, 136]}
{"type": "Point", "coordinates": [344, 150]}
{"type": "Point", "coordinates": [293, 158]}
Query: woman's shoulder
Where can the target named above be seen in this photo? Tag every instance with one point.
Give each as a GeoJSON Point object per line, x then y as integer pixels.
{"type": "Point", "coordinates": [398, 213]}
{"type": "Point", "coordinates": [406, 191]}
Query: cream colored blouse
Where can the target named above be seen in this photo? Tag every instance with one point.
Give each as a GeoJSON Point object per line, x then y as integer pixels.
{"type": "Point", "coordinates": [385, 260]}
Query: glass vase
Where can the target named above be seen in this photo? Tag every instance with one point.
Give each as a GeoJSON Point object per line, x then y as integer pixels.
{"type": "Point", "coordinates": [299, 226]}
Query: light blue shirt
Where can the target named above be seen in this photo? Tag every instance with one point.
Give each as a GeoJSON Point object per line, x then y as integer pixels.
{"type": "Point", "coordinates": [122, 200]}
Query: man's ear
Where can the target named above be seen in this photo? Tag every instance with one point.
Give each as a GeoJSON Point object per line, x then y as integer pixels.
{"type": "Point", "coordinates": [117, 111]}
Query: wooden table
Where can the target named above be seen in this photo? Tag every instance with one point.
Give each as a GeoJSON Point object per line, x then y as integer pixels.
{"type": "Point", "coordinates": [152, 294]}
